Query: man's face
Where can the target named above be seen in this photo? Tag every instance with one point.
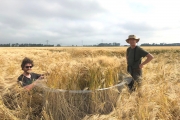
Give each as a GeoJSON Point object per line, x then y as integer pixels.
{"type": "Point", "coordinates": [27, 68]}
{"type": "Point", "coordinates": [132, 42]}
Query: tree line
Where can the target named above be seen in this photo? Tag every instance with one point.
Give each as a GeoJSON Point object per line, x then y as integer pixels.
{"type": "Point", "coordinates": [25, 45]}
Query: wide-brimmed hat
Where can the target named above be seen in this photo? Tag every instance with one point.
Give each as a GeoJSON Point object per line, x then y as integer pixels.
{"type": "Point", "coordinates": [132, 37]}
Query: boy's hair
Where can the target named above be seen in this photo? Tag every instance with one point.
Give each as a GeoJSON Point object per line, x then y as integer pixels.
{"type": "Point", "coordinates": [25, 61]}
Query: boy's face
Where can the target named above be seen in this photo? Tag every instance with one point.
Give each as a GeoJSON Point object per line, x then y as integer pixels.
{"type": "Point", "coordinates": [27, 68]}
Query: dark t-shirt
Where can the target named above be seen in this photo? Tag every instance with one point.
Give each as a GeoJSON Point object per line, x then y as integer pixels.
{"type": "Point", "coordinates": [139, 53]}
{"type": "Point", "coordinates": [27, 81]}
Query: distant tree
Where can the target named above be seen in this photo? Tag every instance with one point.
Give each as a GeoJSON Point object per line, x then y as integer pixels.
{"type": "Point", "coordinates": [58, 45]}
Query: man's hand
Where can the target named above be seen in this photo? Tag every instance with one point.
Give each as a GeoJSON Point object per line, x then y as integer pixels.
{"type": "Point", "coordinates": [149, 58]}
{"type": "Point", "coordinates": [141, 66]}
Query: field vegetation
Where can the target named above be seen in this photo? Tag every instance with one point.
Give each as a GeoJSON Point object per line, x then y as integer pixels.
{"type": "Point", "coordinates": [86, 68]}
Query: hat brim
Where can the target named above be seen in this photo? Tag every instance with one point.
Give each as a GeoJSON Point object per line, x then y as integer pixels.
{"type": "Point", "coordinates": [137, 40]}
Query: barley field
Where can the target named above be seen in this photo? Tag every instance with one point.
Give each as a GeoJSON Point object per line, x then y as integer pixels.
{"type": "Point", "coordinates": [90, 68]}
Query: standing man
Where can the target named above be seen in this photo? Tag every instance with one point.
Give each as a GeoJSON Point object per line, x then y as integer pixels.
{"type": "Point", "coordinates": [134, 54]}
{"type": "Point", "coordinates": [28, 79]}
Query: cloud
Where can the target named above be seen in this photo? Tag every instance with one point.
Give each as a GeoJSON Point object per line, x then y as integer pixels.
{"type": "Point", "coordinates": [80, 22]}
{"type": "Point", "coordinates": [58, 20]}
{"type": "Point", "coordinates": [61, 9]}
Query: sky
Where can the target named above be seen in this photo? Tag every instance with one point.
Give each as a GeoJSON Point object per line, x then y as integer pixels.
{"type": "Point", "coordinates": [89, 22]}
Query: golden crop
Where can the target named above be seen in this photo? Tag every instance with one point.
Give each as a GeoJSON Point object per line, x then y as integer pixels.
{"type": "Point", "coordinates": [78, 68]}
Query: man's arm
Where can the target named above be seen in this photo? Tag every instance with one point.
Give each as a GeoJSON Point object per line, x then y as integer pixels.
{"type": "Point", "coordinates": [149, 58]}
{"type": "Point", "coordinates": [31, 86]}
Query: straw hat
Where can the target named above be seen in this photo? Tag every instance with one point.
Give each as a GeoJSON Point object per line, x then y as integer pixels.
{"type": "Point", "coordinates": [132, 37]}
